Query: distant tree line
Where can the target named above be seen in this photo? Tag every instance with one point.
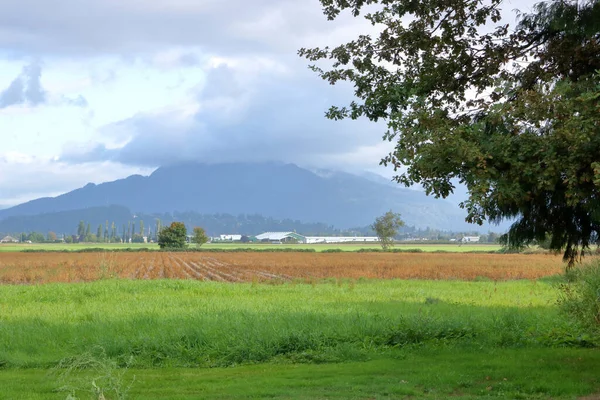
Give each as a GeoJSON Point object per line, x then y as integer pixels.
{"type": "Point", "coordinates": [115, 224]}
{"type": "Point", "coordinates": [105, 233]}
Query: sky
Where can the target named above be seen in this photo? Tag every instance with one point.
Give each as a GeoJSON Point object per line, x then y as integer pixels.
{"type": "Point", "coordinates": [93, 91]}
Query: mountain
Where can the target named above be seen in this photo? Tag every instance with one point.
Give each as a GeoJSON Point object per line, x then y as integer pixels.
{"type": "Point", "coordinates": [271, 189]}
{"type": "Point", "coordinates": [66, 222]}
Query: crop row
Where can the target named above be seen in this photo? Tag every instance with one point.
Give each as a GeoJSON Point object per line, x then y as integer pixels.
{"type": "Point", "coordinates": [27, 268]}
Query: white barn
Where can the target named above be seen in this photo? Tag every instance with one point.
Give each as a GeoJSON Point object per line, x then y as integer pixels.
{"type": "Point", "coordinates": [9, 239]}
{"type": "Point", "coordinates": [231, 238]}
{"type": "Point", "coordinates": [281, 237]}
{"type": "Point", "coordinates": [470, 239]}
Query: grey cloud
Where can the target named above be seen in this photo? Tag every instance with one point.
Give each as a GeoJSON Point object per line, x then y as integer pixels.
{"type": "Point", "coordinates": [220, 82]}
{"type": "Point", "coordinates": [273, 119]}
{"type": "Point", "coordinates": [13, 94]}
{"type": "Point", "coordinates": [90, 27]}
{"type": "Point", "coordinates": [78, 101]}
{"type": "Point", "coordinates": [34, 93]}
{"type": "Point", "coordinates": [189, 60]}
{"type": "Point", "coordinates": [25, 89]}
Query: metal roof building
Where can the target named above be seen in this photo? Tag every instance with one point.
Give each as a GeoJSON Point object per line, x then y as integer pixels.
{"type": "Point", "coordinates": [341, 239]}
{"type": "Point", "coordinates": [280, 237]}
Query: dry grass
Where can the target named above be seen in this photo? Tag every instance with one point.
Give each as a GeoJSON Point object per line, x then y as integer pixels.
{"type": "Point", "coordinates": [33, 268]}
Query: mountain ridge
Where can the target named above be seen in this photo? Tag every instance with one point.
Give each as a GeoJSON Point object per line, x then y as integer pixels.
{"type": "Point", "coordinates": [272, 189]}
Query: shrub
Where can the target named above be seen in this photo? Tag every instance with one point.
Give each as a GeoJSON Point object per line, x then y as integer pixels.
{"type": "Point", "coordinates": [173, 237]}
{"type": "Point", "coordinates": [580, 297]}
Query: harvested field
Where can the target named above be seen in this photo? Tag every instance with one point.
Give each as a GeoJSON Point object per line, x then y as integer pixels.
{"type": "Point", "coordinates": [33, 268]}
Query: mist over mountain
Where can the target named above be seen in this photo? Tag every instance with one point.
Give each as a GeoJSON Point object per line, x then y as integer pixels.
{"type": "Point", "coordinates": [281, 191]}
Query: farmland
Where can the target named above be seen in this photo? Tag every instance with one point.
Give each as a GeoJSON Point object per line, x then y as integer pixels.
{"type": "Point", "coordinates": [26, 268]}
{"type": "Point", "coordinates": [288, 325]}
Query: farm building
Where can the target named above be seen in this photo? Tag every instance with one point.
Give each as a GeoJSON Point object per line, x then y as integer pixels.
{"type": "Point", "coordinates": [470, 239]}
{"type": "Point", "coordinates": [230, 238]}
{"type": "Point", "coordinates": [281, 237]}
{"type": "Point", "coordinates": [342, 239]}
{"type": "Point", "coordinates": [9, 239]}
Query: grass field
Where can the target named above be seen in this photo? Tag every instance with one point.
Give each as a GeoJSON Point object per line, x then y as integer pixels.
{"type": "Point", "coordinates": [343, 339]}
{"type": "Point", "coordinates": [454, 248]}
{"type": "Point", "coordinates": [538, 373]}
{"type": "Point", "coordinates": [157, 325]}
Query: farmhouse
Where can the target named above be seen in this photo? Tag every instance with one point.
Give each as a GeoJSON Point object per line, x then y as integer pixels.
{"type": "Point", "coordinates": [470, 239]}
{"type": "Point", "coordinates": [281, 237]}
{"type": "Point", "coordinates": [9, 239]}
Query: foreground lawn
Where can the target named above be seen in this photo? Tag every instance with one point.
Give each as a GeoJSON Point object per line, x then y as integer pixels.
{"type": "Point", "coordinates": [417, 373]}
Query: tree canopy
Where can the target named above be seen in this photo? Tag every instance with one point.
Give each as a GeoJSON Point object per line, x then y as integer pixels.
{"type": "Point", "coordinates": [386, 227]}
{"type": "Point", "coordinates": [513, 113]}
{"type": "Point", "coordinates": [200, 237]}
{"type": "Point", "coordinates": [173, 236]}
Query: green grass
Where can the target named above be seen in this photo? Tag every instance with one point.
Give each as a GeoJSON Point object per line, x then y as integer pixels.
{"type": "Point", "coordinates": [209, 324]}
{"type": "Point", "coordinates": [427, 374]}
{"type": "Point", "coordinates": [454, 248]}
{"type": "Point", "coordinates": [335, 339]}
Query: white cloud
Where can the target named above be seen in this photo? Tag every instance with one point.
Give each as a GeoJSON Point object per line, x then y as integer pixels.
{"type": "Point", "coordinates": [24, 177]}
{"type": "Point", "coordinates": [162, 81]}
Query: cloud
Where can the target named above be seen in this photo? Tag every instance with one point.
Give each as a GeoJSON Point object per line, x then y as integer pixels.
{"type": "Point", "coordinates": [25, 88]}
{"type": "Point", "coordinates": [236, 117]}
{"type": "Point", "coordinates": [24, 177]}
{"type": "Point", "coordinates": [89, 27]}
{"type": "Point", "coordinates": [78, 101]}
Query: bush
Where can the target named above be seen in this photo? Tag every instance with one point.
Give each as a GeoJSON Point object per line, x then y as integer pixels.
{"type": "Point", "coordinates": [580, 297]}
{"type": "Point", "coordinates": [173, 237]}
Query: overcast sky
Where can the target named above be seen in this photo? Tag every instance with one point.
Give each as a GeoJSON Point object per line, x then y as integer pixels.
{"type": "Point", "coordinates": [92, 90]}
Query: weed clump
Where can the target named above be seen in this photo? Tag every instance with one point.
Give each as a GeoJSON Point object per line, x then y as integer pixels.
{"type": "Point", "coordinates": [93, 374]}
{"type": "Point", "coordinates": [580, 297]}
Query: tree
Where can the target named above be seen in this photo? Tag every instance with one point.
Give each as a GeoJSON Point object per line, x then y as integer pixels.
{"type": "Point", "coordinates": [386, 227]}
{"type": "Point", "coordinates": [137, 238]}
{"type": "Point", "coordinates": [513, 114]}
{"type": "Point", "coordinates": [141, 227]}
{"type": "Point", "coordinates": [158, 227]}
{"type": "Point", "coordinates": [200, 236]}
{"type": "Point", "coordinates": [52, 236]}
{"type": "Point", "coordinates": [172, 237]}
{"type": "Point", "coordinates": [81, 229]}
{"type": "Point", "coordinates": [99, 231]}
{"type": "Point", "coordinates": [36, 237]}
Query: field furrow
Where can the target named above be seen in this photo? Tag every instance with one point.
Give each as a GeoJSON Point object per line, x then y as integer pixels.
{"type": "Point", "coordinates": [35, 268]}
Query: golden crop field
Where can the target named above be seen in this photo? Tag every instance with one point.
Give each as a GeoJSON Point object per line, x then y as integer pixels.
{"type": "Point", "coordinates": [34, 268]}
